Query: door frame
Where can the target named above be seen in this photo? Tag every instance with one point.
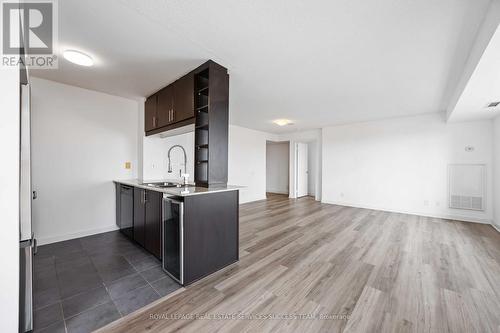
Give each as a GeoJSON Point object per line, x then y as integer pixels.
{"type": "Point", "coordinates": [317, 168]}
{"type": "Point", "coordinates": [297, 162]}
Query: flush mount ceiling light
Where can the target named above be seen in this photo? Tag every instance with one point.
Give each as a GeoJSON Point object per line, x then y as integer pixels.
{"type": "Point", "coordinates": [282, 122]}
{"type": "Point", "coordinates": [78, 58]}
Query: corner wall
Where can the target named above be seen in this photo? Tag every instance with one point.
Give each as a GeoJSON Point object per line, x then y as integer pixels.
{"type": "Point", "coordinates": [496, 172]}
{"type": "Point", "coordinates": [247, 162]}
{"type": "Point", "coordinates": [401, 164]}
{"type": "Point", "coordinates": [81, 140]}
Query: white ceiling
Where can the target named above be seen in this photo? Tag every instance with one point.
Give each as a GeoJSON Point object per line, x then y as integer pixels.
{"type": "Point", "coordinates": [317, 63]}
{"type": "Point", "coordinates": [482, 88]}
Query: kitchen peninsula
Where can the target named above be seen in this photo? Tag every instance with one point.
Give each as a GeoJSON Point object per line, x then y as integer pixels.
{"type": "Point", "coordinates": [193, 230]}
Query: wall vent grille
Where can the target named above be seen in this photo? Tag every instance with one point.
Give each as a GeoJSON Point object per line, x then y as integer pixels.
{"type": "Point", "coordinates": [466, 202]}
{"type": "Point", "coordinates": [493, 104]}
{"type": "Point", "coordinates": [467, 186]}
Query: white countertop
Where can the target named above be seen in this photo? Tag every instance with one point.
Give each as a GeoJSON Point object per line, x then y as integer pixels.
{"type": "Point", "coordinates": [177, 191]}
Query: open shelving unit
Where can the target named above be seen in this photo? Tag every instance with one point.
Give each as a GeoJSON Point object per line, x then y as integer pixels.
{"type": "Point", "coordinates": [202, 109]}
{"type": "Point", "coordinates": [211, 97]}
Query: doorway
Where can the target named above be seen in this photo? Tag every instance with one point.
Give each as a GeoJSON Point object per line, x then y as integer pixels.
{"type": "Point", "coordinates": [302, 167]}
{"type": "Point", "coordinates": [277, 167]}
{"type": "Point", "coordinates": [305, 169]}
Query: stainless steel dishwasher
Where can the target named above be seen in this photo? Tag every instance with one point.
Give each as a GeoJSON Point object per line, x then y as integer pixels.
{"type": "Point", "coordinates": [125, 217]}
{"type": "Point", "coordinates": [173, 238]}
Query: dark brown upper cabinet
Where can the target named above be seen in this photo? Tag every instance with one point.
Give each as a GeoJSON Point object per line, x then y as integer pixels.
{"type": "Point", "coordinates": [165, 106]}
{"type": "Point", "coordinates": [150, 114]}
{"type": "Point", "coordinates": [184, 98]}
{"type": "Point", "coordinates": [171, 107]}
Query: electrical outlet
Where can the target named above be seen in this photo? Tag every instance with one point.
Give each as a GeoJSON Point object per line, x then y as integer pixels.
{"type": "Point", "coordinates": [426, 203]}
{"type": "Point", "coordinates": [342, 194]}
{"type": "Point", "coordinates": [128, 165]}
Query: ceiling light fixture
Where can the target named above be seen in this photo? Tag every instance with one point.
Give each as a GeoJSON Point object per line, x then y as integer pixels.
{"type": "Point", "coordinates": [78, 58]}
{"type": "Point", "coordinates": [282, 122]}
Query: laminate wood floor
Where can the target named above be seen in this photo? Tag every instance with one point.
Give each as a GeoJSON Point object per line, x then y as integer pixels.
{"type": "Point", "coordinates": [311, 267]}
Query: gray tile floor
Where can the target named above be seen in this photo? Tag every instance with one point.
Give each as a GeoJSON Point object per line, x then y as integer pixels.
{"type": "Point", "coordinates": [83, 284]}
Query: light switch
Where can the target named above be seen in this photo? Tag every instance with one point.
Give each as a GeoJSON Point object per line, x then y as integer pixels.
{"type": "Point", "coordinates": [128, 165]}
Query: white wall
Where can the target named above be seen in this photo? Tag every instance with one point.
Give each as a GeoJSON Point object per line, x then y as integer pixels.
{"type": "Point", "coordinates": [496, 171]}
{"type": "Point", "coordinates": [277, 167]}
{"type": "Point", "coordinates": [140, 140]}
{"type": "Point", "coordinates": [155, 160]}
{"type": "Point", "coordinates": [9, 199]}
{"type": "Point", "coordinates": [401, 164]}
{"type": "Point", "coordinates": [247, 162]}
{"type": "Point", "coordinates": [81, 141]}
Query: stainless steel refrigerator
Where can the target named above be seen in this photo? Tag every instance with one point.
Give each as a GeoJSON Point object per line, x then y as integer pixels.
{"type": "Point", "coordinates": [27, 241]}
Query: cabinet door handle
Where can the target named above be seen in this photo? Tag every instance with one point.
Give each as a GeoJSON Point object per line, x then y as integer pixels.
{"type": "Point", "coordinates": [154, 121]}
{"type": "Point", "coordinates": [144, 199]}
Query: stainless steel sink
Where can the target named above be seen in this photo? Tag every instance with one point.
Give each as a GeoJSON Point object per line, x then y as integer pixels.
{"type": "Point", "coordinates": [166, 184]}
{"type": "Point", "coordinates": [163, 184]}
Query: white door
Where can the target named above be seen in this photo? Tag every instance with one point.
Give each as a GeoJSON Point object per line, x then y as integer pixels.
{"type": "Point", "coordinates": [301, 170]}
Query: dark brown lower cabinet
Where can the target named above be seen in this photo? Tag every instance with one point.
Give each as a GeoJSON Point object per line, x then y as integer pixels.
{"type": "Point", "coordinates": [153, 222]}
{"type": "Point", "coordinates": [211, 232]}
{"type": "Point", "coordinates": [139, 211]}
{"type": "Point", "coordinates": [210, 229]}
{"type": "Point", "coordinates": [147, 220]}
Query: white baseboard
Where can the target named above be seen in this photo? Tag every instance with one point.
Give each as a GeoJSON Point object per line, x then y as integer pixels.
{"type": "Point", "coordinates": [83, 233]}
{"type": "Point", "coordinates": [438, 216]}
{"type": "Point", "coordinates": [496, 227]}
{"type": "Point", "coordinates": [252, 199]}
{"type": "Point", "coordinates": [277, 191]}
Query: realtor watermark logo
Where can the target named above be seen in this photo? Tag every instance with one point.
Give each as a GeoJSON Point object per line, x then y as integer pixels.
{"type": "Point", "coordinates": [29, 34]}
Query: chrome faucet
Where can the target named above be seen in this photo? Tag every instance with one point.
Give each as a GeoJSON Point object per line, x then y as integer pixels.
{"type": "Point", "coordinates": [185, 176]}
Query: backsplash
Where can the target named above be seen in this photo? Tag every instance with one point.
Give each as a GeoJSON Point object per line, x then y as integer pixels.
{"type": "Point", "coordinates": [155, 161]}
